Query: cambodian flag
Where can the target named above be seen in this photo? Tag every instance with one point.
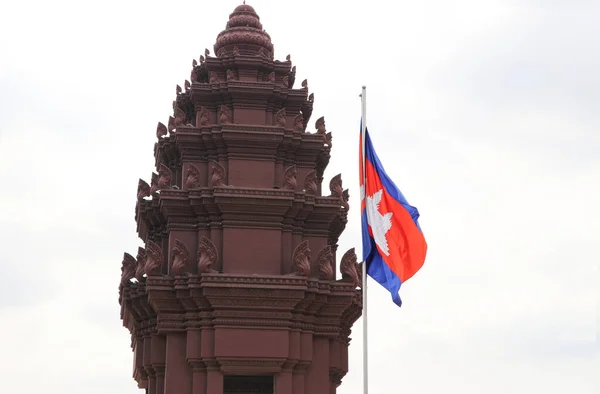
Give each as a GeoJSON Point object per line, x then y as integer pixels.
{"type": "Point", "coordinates": [394, 247]}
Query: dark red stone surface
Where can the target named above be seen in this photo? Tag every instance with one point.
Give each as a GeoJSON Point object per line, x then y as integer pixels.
{"type": "Point", "coordinates": [236, 290]}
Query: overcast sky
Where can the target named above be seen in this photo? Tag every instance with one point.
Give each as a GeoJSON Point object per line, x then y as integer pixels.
{"type": "Point", "coordinates": [484, 112]}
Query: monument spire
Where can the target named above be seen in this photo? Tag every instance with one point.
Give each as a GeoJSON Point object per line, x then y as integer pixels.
{"type": "Point", "coordinates": [236, 287]}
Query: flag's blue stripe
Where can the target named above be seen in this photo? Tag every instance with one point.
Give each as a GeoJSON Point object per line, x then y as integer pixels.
{"type": "Point", "coordinates": [390, 187]}
{"type": "Point", "coordinates": [376, 267]}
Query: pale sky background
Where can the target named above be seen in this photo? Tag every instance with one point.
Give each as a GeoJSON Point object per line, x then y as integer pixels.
{"type": "Point", "coordinates": [486, 113]}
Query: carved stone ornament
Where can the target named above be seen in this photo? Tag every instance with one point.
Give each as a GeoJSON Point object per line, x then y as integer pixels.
{"type": "Point", "coordinates": [310, 183]}
{"type": "Point", "coordinates": [335, 186]}
{"type": "Point", "coordinates": [140, 265]}
{"type": "Point", "coordinates": [320, 125]}
{"type": "Point", "coordinates": [128, 268]}
{"type": "Point", "coordinates": [161, 130]}
{"type": "Point", "coordinates": [236, 51]}
{"type": "Point", "coordinates": [280, 118]}
{"type": "Point", "coordinates": [346, 199]}
{"type": "Point", "coordinates": [206, 52]}
{"type": "Point", "coordinates": [328, 139]}
{"type": "Point", "coordinates": [264, 53]}
{"type": "Point", "coordinates": [143, 190]}
{"type": "Point", "coordinates": [225, 117]}
{"type": "Point", "coordinates": [289, 178]}
{"type": "Point", "coordinates": [286, 81]}
{"type": "Point", "coordinates": [311, 97]}
{"type": "Point", "coordinates": [154, 259]}
{"type": "Point", "coordinates": [301, 260]}
{"type": "Point", "coordinates": [154, 183]}
{"type": "Point", "coordinates": [221, 53]}
{"type": "Point", "coordinates": [292, 75]}
{"type": "Point", "coordinates": [207, 255]}
{"type": "Point", "coordinates": [194, 75]}
{"type": "Point", "coordinates": [305, 84]}
{"type": "Point", "coordinates": [202, 60]}
{"type": "Point", "coordinates": [180, 256]}
{"type": "Point", "coordinates": [299, 122]}
{"type": "Point", "coordinates": [325, 263]}
{"type": "Point", "coordinates": [164, 177]}
{"type": "Point", "coordinates": [204, 116]}
{"type": "Point", "coordinates": [288, 58]}
{"type": "Point", "coordinates": [187, 85]}
{"type": "Point", "coordinates": [178, 90]}
{"type": "Point", "coordinates": [230, 75]}
{"type": "Point", "coordinates": [272, 76]}
{"type": "Point", "coordinates": [213, 78]}
{"type": "Point", "coordinates": [179, 116]}
{"type": "Point", "coordinates": [194, 63]}
{"type": "Point", "coordinates": [192, 176]}
{"type": "Point", "coordinates": [218, 174]}
{"type": "Point", "coordinates": [349, 268]}
{"type": "Point", "coordinates": [171, 125]}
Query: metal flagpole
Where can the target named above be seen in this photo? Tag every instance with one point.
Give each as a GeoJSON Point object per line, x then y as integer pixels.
{"type": "Point", "coordinates": [364, 264]}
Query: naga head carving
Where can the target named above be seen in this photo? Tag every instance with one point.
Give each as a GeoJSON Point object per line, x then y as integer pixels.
{"type": "Point", "coordinates": [154, 259]}
{"type": "Point", "coordinates": [289, 178]}
{"type": "Point", "coordinates": [180, 256]}
{"type": "Point", "coordinates": [349, 268]}
{"type": "Point", "coordinates": [207, 255]}
{"type": "Point", "coordinates": [301, 259]}
{"type": "Point", "coordinates": [128, 268]}
{"type": "Point", "coordinates": [325, 263]}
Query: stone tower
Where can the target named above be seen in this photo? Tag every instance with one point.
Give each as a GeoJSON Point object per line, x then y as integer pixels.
{"type": "Point", "coordinates": [236, 288]}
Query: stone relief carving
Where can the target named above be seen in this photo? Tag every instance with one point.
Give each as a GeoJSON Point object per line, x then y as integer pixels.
{"type": "Point", "coordinates": [320, 125]}
{"type": "Point", "coordinates": [180, 256]}
{"type": "Point", "coordinates": [225, 116]}
{"type": "Point", "coordinates": [325, 263]}
{"type": "Point", "coordinates": [310, 183]}
{"type": "Point", "coordinates": [154, 259]}
{"type": "Point", "coordinates": [301, 259]}
{"type": "Point", "coordinates": [299, 122]}
{"type": "Point", "coordinates": [143, 189]}
{"type": "Point", "coordinates": [346, 199]}
{"type": "Point", "coordinates": [192, 176]}
{"type": "Point", "coordinates": [289, 178]}
{"type": "Point", "coordinates": [204, 116]}
{"type": "Point", "coordinates": [280, 118]}
{"type": "Point", "coordinates": [164, 177]}
{"type": "Point", "coordinates": [350, 268]}
{"type": "Point", "coordinates": [207, 255]}
{"type": "Point", "coordinates": [154, 183]}
{"type": "Point", "coordinates": [161, 130]}
{"type": "Point", "coordinates": [140, 265]}
{"type": "Point", "coordinates": [335, 186]}
{"type": "Point", "coordinates": [128, 268]}
{"type": "Point", "coordinates": [213, 77]}
{"type": "Point", "coordinates": [218, 174]}
{"type": "Point", "coordinates": [328, 140]}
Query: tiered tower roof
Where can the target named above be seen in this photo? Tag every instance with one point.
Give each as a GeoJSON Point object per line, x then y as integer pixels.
{"type": "Point", "coordinates": [240, 242]}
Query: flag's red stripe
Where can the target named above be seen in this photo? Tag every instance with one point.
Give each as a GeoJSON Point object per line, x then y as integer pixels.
{"type": "Point", "coordinates": [406, 243]}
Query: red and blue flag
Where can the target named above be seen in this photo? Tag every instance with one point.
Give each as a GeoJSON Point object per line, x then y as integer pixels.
{"type": "Point", "coordinates": [394, 247]}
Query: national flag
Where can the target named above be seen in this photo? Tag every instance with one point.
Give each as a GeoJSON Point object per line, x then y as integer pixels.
{"type": "Point", "coordinates": [394, 247]}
